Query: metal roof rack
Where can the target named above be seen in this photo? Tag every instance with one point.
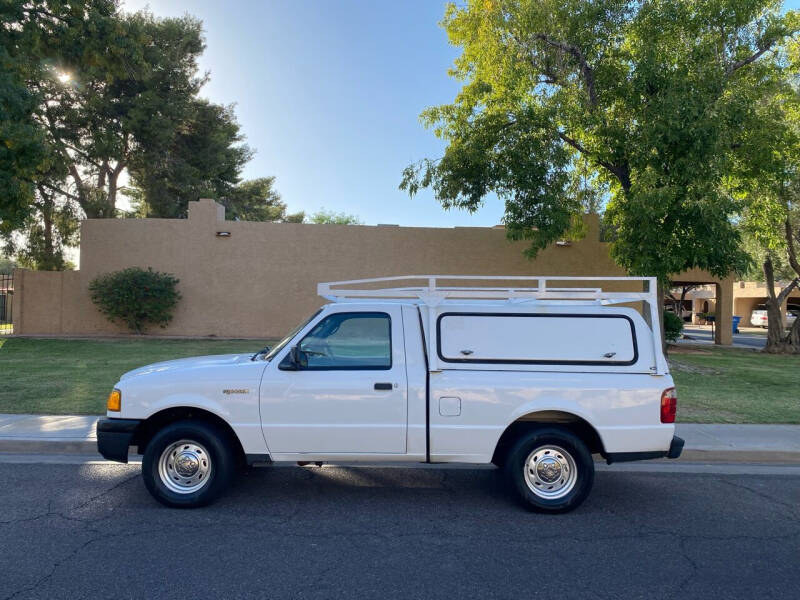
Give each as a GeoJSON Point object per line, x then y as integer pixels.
{"type": "Point", "coordinates": [538, 291]}
{"type": "Point", "coordinates": [432, 293]}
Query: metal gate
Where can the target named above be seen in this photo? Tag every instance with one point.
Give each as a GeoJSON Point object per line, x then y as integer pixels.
{"type": "Point", "coordinates": [6, 304]}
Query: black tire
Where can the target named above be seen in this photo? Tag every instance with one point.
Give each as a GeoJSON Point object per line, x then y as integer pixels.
{"type": "Point", "coordinates": [573, 447]}
{"type": "Point", "coordinates": [222, 463]}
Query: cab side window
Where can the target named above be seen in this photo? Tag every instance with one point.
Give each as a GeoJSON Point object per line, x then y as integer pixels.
{"type": "Point", "coordinates": [357, 340]}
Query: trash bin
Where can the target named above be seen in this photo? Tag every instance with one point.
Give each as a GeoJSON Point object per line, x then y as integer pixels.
{"type": "Point", "coordinates": [736, 323]}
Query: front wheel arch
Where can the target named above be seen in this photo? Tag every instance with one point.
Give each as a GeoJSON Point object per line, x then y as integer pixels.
{"type": "Point", "coordinates": [148, 428]}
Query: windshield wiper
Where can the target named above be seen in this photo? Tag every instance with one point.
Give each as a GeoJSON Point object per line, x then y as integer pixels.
{"type": "Point", "coordinates": [264, 350]}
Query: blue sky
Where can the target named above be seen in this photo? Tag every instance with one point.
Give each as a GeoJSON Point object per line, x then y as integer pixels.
{"type": "Point", "coordinates": [329, 93]}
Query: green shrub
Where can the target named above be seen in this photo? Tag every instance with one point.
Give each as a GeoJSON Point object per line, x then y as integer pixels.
{"type": "Point", "coordinates": [673, 326]}
{"type": "Point", "coordinates": [136, 297]}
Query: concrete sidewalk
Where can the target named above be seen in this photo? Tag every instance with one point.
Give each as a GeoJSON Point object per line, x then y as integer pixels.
{"type": "Point", "coordinates": [48, 434]}
{"type": "Point", "coordinates": [45, 434]}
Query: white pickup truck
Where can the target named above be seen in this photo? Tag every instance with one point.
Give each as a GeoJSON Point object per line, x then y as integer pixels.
{"type": "Point", "coordinates": [533, 379]}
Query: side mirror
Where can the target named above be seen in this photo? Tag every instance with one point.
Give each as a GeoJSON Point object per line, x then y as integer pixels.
{"type": "Point", "coordinates": [294, 360]}
{"type": "Point", "coordinates": [299, 357]}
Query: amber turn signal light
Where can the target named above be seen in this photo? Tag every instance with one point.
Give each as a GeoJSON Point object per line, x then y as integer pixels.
{"type": "Point", "coordinates": [114, 401]}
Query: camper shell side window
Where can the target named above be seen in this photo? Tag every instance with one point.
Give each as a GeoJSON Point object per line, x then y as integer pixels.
{"type": "Point", "coordinates": [537, 338]}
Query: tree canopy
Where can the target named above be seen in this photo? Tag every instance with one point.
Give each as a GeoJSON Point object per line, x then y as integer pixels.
{"type": "Point", "coordinates": [203, 159]}
{"type": "Point", "coordinates": [645, 101]}
{"type": "Point", "coordinates": [257, 200]}
{"type": "Point", "coordinates": [329, 217]}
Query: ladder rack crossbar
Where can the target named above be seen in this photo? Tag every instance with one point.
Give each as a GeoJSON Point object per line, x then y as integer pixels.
{"type": "Point", "coordinates": [433, 293]}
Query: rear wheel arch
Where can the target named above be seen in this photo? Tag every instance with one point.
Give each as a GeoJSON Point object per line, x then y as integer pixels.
{"type": "Point", "coordinates": [148, 428]}
{"type": "Point", "coordinates": [566, 420]}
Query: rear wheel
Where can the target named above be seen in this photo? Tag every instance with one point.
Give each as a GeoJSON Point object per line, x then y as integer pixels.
{"type": "Point", "coordinates": [550, 469]}
{"type": "Point", "coordinates": [188, 464]}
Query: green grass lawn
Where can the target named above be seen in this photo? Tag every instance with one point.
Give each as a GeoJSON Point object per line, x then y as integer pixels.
{"type": "Point", "coordinates": [725, 385]}
{"type": "Point", "coordinates": [61, 376]}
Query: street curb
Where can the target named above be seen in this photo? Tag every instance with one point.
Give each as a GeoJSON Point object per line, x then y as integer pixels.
{"type": "Point", "coordinates": [89, 447]}
{"type": "Point", "coordinates": [741, 456]}
{"type": "Point", "coordinates": [47, 446]}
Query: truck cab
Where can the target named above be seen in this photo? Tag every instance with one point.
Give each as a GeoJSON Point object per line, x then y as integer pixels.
{"type": "Point", "coordinates": [534, 379]}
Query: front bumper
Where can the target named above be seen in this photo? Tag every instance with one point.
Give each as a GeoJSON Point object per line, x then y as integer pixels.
{"type": "Point", "coordinates": [114, 437]}
{"type": "Point", "coordinates": [675, 449]}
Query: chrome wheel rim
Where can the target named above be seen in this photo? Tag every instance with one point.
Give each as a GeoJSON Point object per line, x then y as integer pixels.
{"type": "Point", "coordinates": [550, 472]}
{"type": "Point", "coordinates": [184, 467]}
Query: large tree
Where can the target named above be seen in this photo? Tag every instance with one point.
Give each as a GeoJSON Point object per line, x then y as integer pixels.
{"type": "Point", "coordinates": [124, 86]}
{"type": "Point", "coordinates": [90, 94]}
{"type": "Point", "coordinates": [85, 89]}
{"type": "Point", "coordinates": [203, 159]}
{"type": "Point", "coordinates": [768, 175]}
{"type": "Point", "coordinates": [23, 152]}
{"type": "Point", "coordinates": [648, 97]}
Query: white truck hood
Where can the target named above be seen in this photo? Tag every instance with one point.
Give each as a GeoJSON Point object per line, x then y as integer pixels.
{"type": "Point", "coordinates": [185, 364]}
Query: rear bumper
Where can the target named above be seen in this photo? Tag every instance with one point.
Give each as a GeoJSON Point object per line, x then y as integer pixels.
{"type": "Point", "coordinates": [675, 449]}
{"type": "Point", "coordinates": [114, 437]}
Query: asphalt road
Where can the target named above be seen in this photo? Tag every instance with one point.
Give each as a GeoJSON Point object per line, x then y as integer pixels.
{"type": "Point", "coordinates": [92, 531]}
{"type": "Point", "coordinates": [749, 339]}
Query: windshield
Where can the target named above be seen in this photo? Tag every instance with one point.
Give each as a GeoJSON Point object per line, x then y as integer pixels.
{"type": "Point", "coordinates": [279, 346]}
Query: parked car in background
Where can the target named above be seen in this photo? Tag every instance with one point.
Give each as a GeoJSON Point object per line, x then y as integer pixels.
{"type": "Point", "coordinates": [759, 317]}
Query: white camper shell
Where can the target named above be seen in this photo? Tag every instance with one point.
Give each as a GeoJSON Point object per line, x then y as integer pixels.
{"type": "Point", "coordinates": [534, 378]}
{"type": "Point", "coordinates": [537, 327]}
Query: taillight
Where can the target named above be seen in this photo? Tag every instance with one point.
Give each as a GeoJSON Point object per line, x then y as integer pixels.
{"type": "Point", "coordinates": [669, 405]}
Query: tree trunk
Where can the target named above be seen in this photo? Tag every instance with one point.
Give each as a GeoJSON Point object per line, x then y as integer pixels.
{"type": "Point", "coordinates": [793, 339]}
{"type": "Point", "coordinates": [686, 289]}
{"type": "Point", "coordinates": [777, 341]}
{"type": "Point", "coordinates": [47, 260]}
{"type": "Point", "coordinates": [47, 218]}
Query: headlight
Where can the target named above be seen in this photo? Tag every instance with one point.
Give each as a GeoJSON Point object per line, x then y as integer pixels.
{"type": "Point", "coordinates": [114, 401]}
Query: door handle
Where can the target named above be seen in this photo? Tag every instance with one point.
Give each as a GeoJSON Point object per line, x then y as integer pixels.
{"type": "Point", "coordinates": [383, 386]}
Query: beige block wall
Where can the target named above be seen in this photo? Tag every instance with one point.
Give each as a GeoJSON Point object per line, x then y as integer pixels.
{"type": "Point", "coordinates": [743, 307]}
{"type": "Point", "coordinates": [261, 280]}
{"type": "Point", "coordinates": [56, 303]}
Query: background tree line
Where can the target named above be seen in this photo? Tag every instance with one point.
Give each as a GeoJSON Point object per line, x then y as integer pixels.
{"type": "Point", "coordinates": [95, 103]}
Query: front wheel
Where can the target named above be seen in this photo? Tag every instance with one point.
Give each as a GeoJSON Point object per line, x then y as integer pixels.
{"type": "Point", "coordinates": [550, 469]}
{"type": "Point", "coordinates": [188, 464]}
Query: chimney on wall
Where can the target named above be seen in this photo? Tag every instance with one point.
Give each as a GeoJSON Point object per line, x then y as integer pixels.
{"type": "Point", "coordinates": [206, 209]}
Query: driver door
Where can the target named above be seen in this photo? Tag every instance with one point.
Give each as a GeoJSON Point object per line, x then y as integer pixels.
{"type": "Point", "coordinates": [348, 395]}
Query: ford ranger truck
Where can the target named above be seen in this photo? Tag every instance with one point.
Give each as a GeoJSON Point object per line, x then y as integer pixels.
{"type": "Point", "coordinates": [534, 379]}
